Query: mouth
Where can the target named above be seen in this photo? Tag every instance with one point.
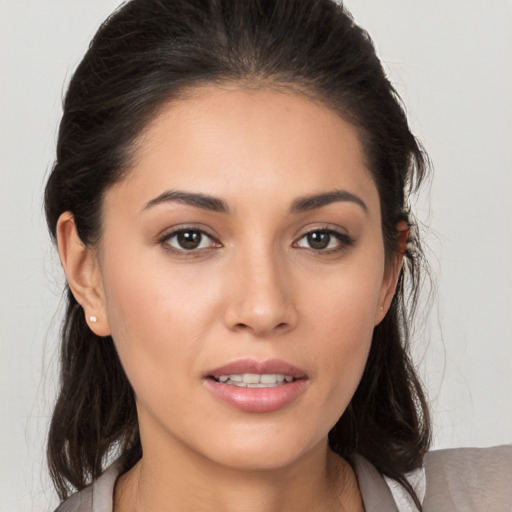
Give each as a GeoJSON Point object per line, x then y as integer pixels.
{"type": "Point", "coordinates": [253, 373]}
{"type": "Point", "coordinates": [257, 386]}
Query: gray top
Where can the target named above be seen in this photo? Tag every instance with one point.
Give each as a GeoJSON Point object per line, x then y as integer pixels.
{"type": "Point", "coordinates": [462, 479]}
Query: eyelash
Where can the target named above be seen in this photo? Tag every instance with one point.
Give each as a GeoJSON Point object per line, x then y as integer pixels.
{"type": "Point", "coordinates": [345, 241]}
{"type": "Point", "coordinates": [165, 239]}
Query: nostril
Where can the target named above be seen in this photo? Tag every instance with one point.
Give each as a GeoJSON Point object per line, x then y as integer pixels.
{"type": "Point", "coordinates": [255, 315]}
{"type": "Point", "coordinates": [241, 326]}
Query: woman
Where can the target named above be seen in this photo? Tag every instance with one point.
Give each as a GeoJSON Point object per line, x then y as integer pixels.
{"type": "Point", "coordinates": [230, 205]}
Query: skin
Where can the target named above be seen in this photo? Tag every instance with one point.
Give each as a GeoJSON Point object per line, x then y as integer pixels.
{"type": "Point", "coordinates": [255, 288]}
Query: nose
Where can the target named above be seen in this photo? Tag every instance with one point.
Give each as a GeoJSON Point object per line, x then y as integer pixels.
{"type": "Point", "coordinates": [261, 300]}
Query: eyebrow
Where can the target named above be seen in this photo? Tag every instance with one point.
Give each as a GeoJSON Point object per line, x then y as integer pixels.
{"type": "Point", "coordinates": [218, 205]}
{"type": "Point", "coordinates": [313, 202]}
{"type": "Point", "coordinates": [202, 201]}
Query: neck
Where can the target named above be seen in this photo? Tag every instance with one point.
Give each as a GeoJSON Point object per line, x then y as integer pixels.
{"type": "Point", "coordinates": [319, 481]}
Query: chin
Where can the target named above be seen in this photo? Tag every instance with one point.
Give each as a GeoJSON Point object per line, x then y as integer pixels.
{"type": "Point", "coordinates": [260, 452]}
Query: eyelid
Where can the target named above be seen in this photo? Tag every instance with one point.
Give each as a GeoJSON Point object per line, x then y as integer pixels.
{"type": "Point", "coordinates": [176, 230]}
{"type": "Point", "coordinates": [344, 239]}
{"type": "Point", "coordinates": [183, 226]}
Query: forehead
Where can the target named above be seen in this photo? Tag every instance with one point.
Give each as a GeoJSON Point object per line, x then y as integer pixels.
{"type": "Point", "coordinates": [227, 141]}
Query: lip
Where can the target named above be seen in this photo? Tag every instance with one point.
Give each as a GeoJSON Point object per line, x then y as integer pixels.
{"type": "Point", "coordinates": [257, 400]}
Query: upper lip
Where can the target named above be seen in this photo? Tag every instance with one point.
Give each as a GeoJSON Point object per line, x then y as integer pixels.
{"type": "Point", "coordinates": [268, 366]}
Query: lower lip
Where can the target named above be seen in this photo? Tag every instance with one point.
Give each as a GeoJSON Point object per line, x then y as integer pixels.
{"type": "Point", "coordinates": [257, 399]}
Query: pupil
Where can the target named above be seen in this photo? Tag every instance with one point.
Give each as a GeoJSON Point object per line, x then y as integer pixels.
{"type": "Point", "coordinates": [319, 239]}
{"type": "Point", "coordinates": [189, 239]}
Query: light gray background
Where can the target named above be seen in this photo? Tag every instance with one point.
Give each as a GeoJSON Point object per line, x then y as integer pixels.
{"type": "Point", "coordinates": [451, 61]}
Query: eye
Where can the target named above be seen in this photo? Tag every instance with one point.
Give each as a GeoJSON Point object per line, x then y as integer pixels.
{"type": "Point", "coordinates": [323, 240]}
{"type": "Point", "coordinates": [188, 239]}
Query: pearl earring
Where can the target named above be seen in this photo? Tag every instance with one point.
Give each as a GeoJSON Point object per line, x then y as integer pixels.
{"type": "Point", "coordinates": [93, 319]}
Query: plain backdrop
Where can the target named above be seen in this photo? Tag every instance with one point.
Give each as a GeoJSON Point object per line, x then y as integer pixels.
{"type": "Point", "coordinates": [451, 60]}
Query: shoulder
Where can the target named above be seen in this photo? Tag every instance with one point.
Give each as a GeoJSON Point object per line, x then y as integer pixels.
{"type": "Point", "coordinates": [78, 502]}
{"type": "Point", "coordinates": [472, 479]}
{"type": "Point", "coordinates": [97, 497]}
{"type": "Point", "coordinates": [477, 479]}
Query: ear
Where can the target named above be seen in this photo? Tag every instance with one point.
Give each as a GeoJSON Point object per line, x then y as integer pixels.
{"type": "Point", "coordinates": [82, 271]}
{"type": "Point", "coordinates": [392, 272]}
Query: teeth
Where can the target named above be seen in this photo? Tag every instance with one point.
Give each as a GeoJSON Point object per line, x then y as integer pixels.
{"type": "Point", "coordinates": [254, 380]}
{"type": "Point", "coordinates": [251, 378]}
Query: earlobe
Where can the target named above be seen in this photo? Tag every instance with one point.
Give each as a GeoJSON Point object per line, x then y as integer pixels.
{"type": "Point", "coordinates": [82, 273]}
{"type": "Point", "coordinates": [392, 272]}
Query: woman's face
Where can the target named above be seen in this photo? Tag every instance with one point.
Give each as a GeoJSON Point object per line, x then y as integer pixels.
{"type": "Point", "coordinates": [245, 242]}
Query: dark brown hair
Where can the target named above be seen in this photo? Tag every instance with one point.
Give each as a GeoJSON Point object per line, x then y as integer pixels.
{"type": "Point", "coordinates": [147, 54]}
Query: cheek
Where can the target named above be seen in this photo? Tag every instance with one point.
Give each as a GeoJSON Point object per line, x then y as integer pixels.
{"type": "Point", "coordinates": [344, 302]}
{"type": "Point", "coordinates": [144, 292]}
{"type": "Point", "coordinates": [342, 323]}
{"type": "Point", "coordinates": [158, 318]}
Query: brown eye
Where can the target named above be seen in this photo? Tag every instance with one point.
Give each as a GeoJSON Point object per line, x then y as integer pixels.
{"type": "Point", "coordinates": [326, 240]}
{"type": "Point", "coordinates": [319, 239]}
{"type": "Point", "coordinates": [189, 240]}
